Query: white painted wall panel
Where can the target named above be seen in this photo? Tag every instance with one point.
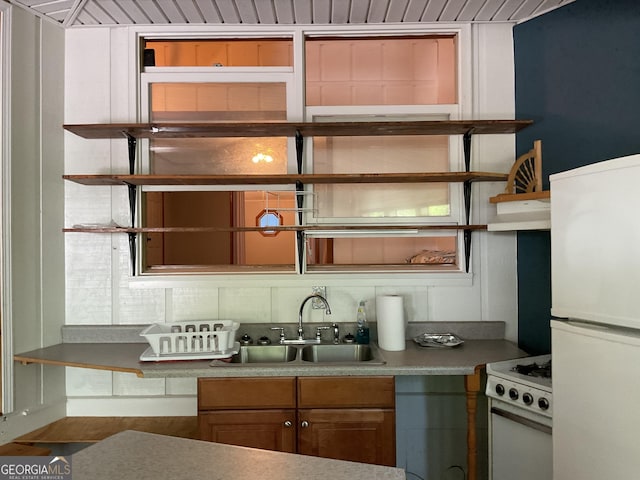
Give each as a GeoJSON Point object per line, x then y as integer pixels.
{"type": "Point", "coordinates": [87, 80]}
{"type": "Point", "coordinates": [52, 190]}
{"type": "Point", "coordinates": [25, 184]}
{"type": "Point", "coordinates": [36, 256]}
{"type": "Point", "coordinates": [285, 305]}
{"type": "Point", "coordinates": [193, 304]}
{"type": "Point", "coordinates": [495, 98]}
{"type": "Point", "coordinates": [103, 89]}
{"type": "Point", "coordinates": [139, 306]}
{"type": "Point", "coordinates": [181, 386]}
{"type": "Point", "coordinates": [454, 304]}
{"type": "Point", "coordinates": [244, 304]}
{"type": "Point", "coordinates": [84, 381]}
{"type": "Point", "coordinates": [128, 384]}
{"type": "Point", "coordinates": [132, 306]}
{"type": "Point", "coordinates": [415, 301]}
{"type": "Point", "coordinates": [88, 279]}
{"type": "Point", "coordinates": [135, 406]}
{"type": "Point", "coordinates": [88, 257]}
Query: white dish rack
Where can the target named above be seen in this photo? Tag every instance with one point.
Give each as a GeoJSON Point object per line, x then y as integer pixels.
{"type": "Point", "coordinates": [201, 339]}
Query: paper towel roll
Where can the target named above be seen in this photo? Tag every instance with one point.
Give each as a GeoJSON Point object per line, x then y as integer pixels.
{"type": "Point", "coordinates": [390, 317]}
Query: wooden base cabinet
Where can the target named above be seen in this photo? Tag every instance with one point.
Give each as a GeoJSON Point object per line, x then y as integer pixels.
{"type": "Point", "coordinates": [358, 435]}
{"type": "Point", "coordinates": [251, 412]}
{"type": "Point", "coordinates": [346, 418]}
{"type": "Point", "coordinates": [266, 429]}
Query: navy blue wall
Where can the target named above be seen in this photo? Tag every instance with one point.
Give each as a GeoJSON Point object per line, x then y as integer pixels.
{"type": "Point", "coordinates": [578, 77]}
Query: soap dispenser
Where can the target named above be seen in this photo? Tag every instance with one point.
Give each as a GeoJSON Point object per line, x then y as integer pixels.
{"type": "Point", "coordinates": [362, 334]}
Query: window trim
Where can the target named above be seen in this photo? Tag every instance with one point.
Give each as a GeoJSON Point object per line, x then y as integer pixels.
{"type": "Point", "coordinates": [463, 109]}
{"type": "Point", "coordinates": [5, 226]}
{"type": "Point", "coordinates": [216, 75]}
{"type": "Point", "coordinates": [424, 112]}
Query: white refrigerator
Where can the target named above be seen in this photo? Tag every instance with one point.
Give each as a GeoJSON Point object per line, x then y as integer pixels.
{"type": "Point", "coordinates": [595, 255]}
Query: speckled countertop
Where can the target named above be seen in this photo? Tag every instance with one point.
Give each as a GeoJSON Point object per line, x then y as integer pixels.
{"type": "Point", "coordinates": [133, 455]}
{"type": "Point", "coordinates": [116, 351]}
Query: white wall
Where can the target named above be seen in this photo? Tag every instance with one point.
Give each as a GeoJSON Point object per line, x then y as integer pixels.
{"type": "Point", "coordinates": [34, 289]}
{"type": "Point", "coordinates": [100, 74]}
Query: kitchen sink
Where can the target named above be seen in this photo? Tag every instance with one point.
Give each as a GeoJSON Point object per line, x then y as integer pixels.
{"type": "Point", "coordinates": [339, 354]}
{"type": "Point", "coordinates": [316, 354]}
{"type": "Point", "coordinates": [265, 354]}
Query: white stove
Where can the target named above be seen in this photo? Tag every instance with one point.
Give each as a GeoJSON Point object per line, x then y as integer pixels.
{"type": "Point", "coordinates": [520, 427]}
{"type": "Point", "coordinates": [523, 383]}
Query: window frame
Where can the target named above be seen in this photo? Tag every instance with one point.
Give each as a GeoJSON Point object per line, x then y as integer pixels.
{"type": "Point", "coordinates": [428, 112]}
{"type": "Point", "coordinates": [299, 112]}
{"type": "Point", "coordinates": [214, 75]}
{"type": "Point", "coordinates": [208, 75]}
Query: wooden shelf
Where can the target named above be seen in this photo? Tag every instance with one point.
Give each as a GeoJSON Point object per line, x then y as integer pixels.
{"type": "Point", "coordinates": [134, 131]}
{"type": "Point", "coordinates": [522, 211]}
{"type": "Point", "coordinates": [448, 177]}
{"type": "Point", "coordinates": [289, 129]}
{"type": "Point", "coordinates": [517, 197]}
{"type": "Point", "coordinates": [284, 228]}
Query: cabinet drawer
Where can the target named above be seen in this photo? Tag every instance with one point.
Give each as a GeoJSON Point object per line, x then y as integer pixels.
{"type": "Point", "coordinates": [239, 393]}
{"type": "Point", "coordinates": [346, 392]}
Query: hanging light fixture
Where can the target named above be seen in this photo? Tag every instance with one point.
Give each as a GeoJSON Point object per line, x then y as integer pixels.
{"type": "Point", "coordinates": [262, 157]}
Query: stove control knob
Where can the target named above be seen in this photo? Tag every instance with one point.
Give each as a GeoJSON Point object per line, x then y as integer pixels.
{"type": "Point", "coordinates": [513, 394]}
{"type": "Point", "coordinates": [543, 403]}
{"type": "Point", "coordinates": [500, 389]}
{"type": "Point", "coordinates": [527, 398]}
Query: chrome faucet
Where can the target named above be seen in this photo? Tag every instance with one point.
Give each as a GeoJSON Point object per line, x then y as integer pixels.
{"type": "Point", "coordinates": [336, 333]}
{"type": "Point", "coordinates": [327, 312]}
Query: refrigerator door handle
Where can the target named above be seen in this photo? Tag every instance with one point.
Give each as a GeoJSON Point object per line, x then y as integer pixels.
{"type": "Point", "coordinates": [521, 420]}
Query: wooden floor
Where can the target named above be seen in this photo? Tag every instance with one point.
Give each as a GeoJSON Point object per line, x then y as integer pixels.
{"type": "Point", "coordinates": [94, 429]}
{"type": "Point", "coordinates": [19, 450]}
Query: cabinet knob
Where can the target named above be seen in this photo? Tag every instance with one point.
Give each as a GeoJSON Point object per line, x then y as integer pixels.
{"type": "Point", "coordinates": [304, 424]}
{"type": "Point", "coordinates": [288, 423]}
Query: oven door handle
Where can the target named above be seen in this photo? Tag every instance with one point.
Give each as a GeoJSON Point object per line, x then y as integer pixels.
{"type": "Point", "coordinates": [521, 420]}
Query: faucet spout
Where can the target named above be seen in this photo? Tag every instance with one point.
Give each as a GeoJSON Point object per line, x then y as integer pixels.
{"type": "Point", "coordinates": [327, 311]}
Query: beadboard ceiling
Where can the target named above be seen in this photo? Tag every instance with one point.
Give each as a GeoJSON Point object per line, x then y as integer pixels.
{"type": "Point", "coordinates": [71, 13]}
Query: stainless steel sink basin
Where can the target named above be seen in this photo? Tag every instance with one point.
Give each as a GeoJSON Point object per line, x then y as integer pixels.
{"type": "Point", "coordinates": [338, 353]}
{"type": "Point", "coordinates": [265, 354]}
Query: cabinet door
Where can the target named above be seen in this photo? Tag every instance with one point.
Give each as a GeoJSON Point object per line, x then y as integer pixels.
{"type": "Point", "coordinates": [266, 429]}
{"type": "Point", "coordinates": [359, 435]}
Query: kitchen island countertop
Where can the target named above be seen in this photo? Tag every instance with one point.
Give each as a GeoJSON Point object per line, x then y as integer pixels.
{"type": "Point", "coordinates": [140, 456]}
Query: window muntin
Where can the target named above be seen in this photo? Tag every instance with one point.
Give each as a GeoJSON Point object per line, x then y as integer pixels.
{"type": "Point", "coordinates": [260, 52]}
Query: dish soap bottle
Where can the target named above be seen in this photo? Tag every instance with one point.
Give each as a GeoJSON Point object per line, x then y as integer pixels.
{"type": "Point", "coordinates": [362, 335]}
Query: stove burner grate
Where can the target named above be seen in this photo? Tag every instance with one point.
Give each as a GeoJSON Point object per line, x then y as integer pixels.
{"type": "Point", "coordinates": [542, 370]}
